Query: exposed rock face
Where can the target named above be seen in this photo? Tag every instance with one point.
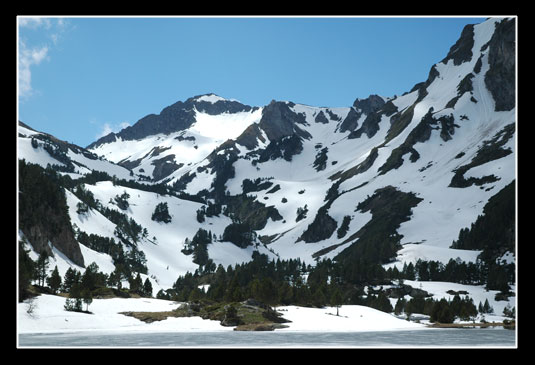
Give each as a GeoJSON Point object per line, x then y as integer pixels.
{"type": "Point", "coordinates": [350, 123]}
{"type": "Point", "coordinates": [321, 118]}
{"type": "Point", "coordinates": [39, 236]}
{"type": "Point", "coordinates": [321, 228]}
{"type": "Point", "coordinates": [500, 78]}
{"type": "Point", "coordinates": [279, 121]}
{"type": "Point", "coordinates": [461, 51]}
{"type": "Point", "coordinates": [371, 108]}
{"type": "Point", "coordinates": [369, 105]}
{"type": "Point", "coordinates": [164, 167]}
{"type": "Point", "coordinates": [250, 136]}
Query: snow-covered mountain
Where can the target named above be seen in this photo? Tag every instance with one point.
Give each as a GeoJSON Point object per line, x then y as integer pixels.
{"type": "Point", "coordinates": [44, 149]}
{"type": "Point", "coordinates": [299, 181]}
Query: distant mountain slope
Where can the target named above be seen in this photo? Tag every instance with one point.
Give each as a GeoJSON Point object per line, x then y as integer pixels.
{"type": "Point", "coordinates": [43, 149]}
{"type": "Point", "coordinates": [386, 181]}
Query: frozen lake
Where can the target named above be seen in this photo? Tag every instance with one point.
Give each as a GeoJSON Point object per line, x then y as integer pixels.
{"type": "Point", "coordinates": [456, 337]}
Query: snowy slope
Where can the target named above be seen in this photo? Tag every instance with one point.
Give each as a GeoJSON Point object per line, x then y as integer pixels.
{"type": "Point", "coordinates": [414, 143]}
{"type": "Point", "coordinates": [83, 161]}
{"type": "Point", "coordinates": [183, 148]}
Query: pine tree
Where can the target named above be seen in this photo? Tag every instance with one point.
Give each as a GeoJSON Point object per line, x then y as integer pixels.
{"type": "Point", "coordinates": [442, 312]}
{"type": "Point", "coordinates": [508, 311]}
{"type": "Point", "coordinates": [409, 272]}
{"type": "Point", "coordinates": [336, 299]}
{"type": "Point", "coordinates": [400, 306]}
{"type": "Point", "coordinates": [161, 213]}
{"type": "Point", "coordinates": [136, 284]}
{"type": "Point", "coordinates": [87, 298]}
{"type": "Point", "coordinates": [114, 280]}
{"type": "Point", "coordinates": [147, 288]}
{"type": "Point", "coordinates": [41, 268]}
{"type": "Point", "coordinates": [90, 279]}
{"type": "Point", "coordinates": [54, 281]}
{"type": "Point", "coordinates": [122, 201]}
{"type": "Point", "coordinates": [72, 276]}
{"type": "Point", "coordinates": [487, 308]}
{"type": "Point", "coordinates": [74, 302]}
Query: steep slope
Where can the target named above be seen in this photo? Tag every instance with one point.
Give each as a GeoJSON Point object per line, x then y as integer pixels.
{"type": "Point", "coordinates": [43, 149]}
{"type": "Point", "coordinates": [388, 180]}
{"type": "Point", "coordinates": [448, 141]}
{"type": "Point", "coordinates": [163, 146]}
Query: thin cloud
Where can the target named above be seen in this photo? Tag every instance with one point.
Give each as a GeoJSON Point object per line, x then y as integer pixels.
{"type": "Point", "coordinates": [108, 128]}
{"type": "Point", "coordinates": [34, 22]}
{"type": "Point", "coordinates": [30, 55]}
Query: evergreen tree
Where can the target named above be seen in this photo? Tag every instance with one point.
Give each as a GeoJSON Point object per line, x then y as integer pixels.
{"type": "Point", "coordinates": [74, 302]}
{"type": "Point", "coordinates": [508, 311]}
{"type": "Point", "coordinates": [26, 272]}
{"type": "Point", "coordinates": [336, 299]}
{"type": "Point", "coordinates": [72, 276]}
{"type": "Point", "coordinates": [195, 295]}
{"type": "Point", "coordinates": [41, 268]}
{"type": "Point", "coordinates": [285, 293]}
{"type": "Point", "coordinates": [90, 279]}
{"type": "Point", "coordinates": [161, 213]}
{"type": "Point", "coordinates": [87, 298]}
{"type": "Point", "coordinates": [147, 288]}
{"type": "Point", "coordinates": [382, 303]}
{"type": "Point", "coordinates": [54, 281]}
{"type": "Point", "coordinates": [442, 312]}
{"type": "Point", "coordinates": [114, 280]}
{"type": "Point", "coordinates": [400, 306]}
{"type": "Point", "coordinates": [409, 272]}
{"type": "Point", "coordinates": [487, 308]}
{"type": "Point", "coordinates": [318, 298]}
{"type": "Point", "coordinates": [136, 284]}
{"type": "Point", "coordinates": [122, 201]}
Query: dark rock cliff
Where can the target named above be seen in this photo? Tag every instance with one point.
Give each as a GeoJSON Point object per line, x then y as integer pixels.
{"type": "Point", "coordinates": [500, 78]}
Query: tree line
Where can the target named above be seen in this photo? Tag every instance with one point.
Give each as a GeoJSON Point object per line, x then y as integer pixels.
{"type": "Point", "coordinates": [292, 282]}
{"type": "Point", "coordinates": [81, 287]}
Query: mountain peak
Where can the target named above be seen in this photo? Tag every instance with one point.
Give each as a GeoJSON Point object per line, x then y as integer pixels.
{"type": "Point", "coordinates": [176, 117]}
{"type": "Point", "coordinates": [369, 105]}
{"type": "Point", "coordinates": [210, 98]}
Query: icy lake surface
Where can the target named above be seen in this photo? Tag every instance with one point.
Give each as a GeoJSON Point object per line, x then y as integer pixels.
{"type": "Point", "coordinates": [428, 338]}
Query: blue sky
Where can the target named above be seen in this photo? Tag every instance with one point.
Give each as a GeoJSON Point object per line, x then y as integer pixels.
{"type": "Point", "coordinates": [81, 78]}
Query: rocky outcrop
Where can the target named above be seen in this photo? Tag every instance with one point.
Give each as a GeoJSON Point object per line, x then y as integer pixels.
{"type": "Point", "coordinates": [461, 51]}
{"type": "Point", "coordinates": [369, 105]}
{"type": "Point", "coordinates": [350, 122]}
{"type": "Point", "coordinates": [321, 228]}
{"type": "Point", "coordinates": [500, 78]}
{"type": "Point", "coordinates": [279, 121]}
{"type": "Point", "coordinates": [401, 290]}
{"type": "Point", "coordinates": [164, 167]}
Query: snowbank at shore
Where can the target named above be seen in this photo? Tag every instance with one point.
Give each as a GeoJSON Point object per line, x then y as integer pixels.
{"type": "Point", "coordinates": [49, 316]}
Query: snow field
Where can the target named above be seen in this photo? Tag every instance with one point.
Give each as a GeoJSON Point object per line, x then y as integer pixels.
{"type": "Point", "coordinates": [49, 316]}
